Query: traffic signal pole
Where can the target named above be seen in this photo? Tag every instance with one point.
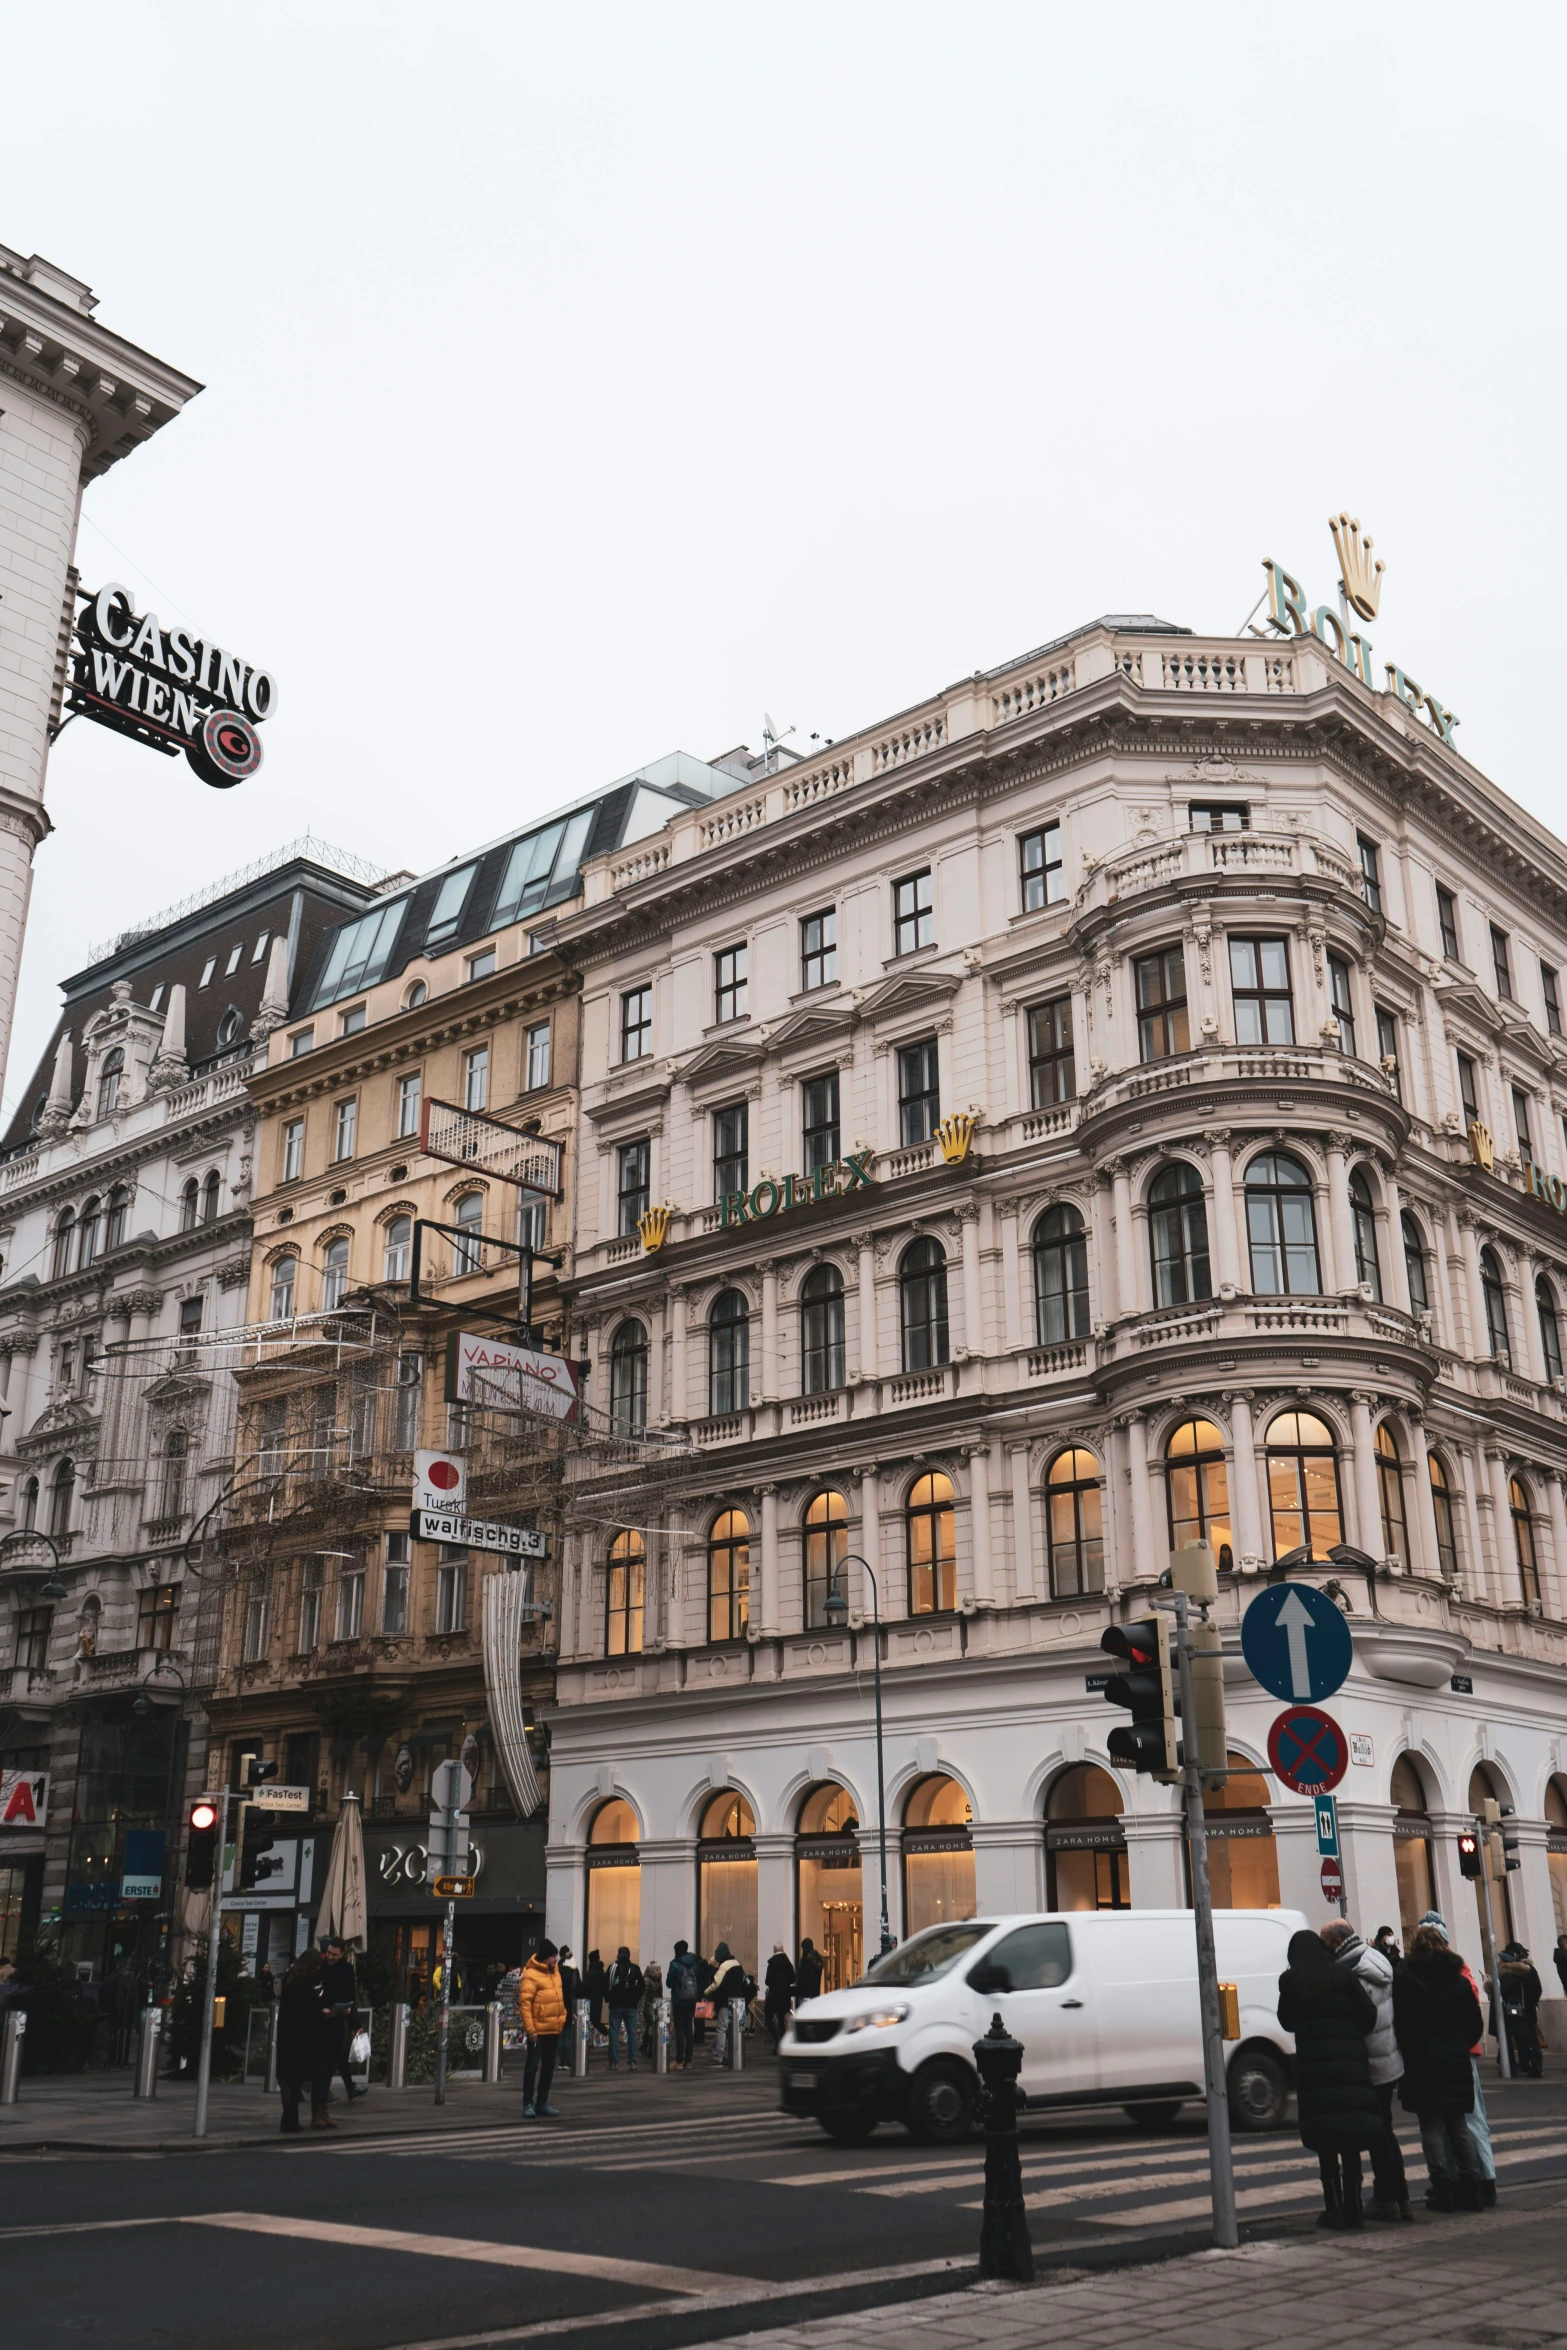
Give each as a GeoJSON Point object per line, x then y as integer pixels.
{"type": "Point", "coordinates": [214, 1922]}
{"type": "Point", "coordinates": [1226, 2232]}
{"type": "Point", "coordinates": [444, 2012]}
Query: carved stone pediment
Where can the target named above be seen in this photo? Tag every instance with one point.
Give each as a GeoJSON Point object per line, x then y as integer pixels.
{"type": "Point", "coordinates": [910, 992]}
{"type": "Point", "coordinates": [731, 1057]}
{"type": "Point", "coordinates": [815, 1027]}
{"type": "Point", "coordinates": [1462, 995]}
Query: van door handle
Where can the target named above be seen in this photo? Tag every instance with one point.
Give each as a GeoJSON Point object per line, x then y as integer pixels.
{"type": "Point", "coordinates": [1071, 2003]}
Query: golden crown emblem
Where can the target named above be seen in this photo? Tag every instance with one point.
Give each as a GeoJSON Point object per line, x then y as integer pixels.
{"type": "Point", "coordinates": [1482, 1150]}
{"type": "Point", "coordinates": [955, 1134]}
{"type": "Point", "coordinates": [653, 1224]}
{"type": "Point", "coordinates": [1362, 572]}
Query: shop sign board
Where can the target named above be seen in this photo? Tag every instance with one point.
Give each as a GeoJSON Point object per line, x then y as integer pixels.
{"type": "Point", "coordinates": [141, 1870]}
{"type": "Point", "coordinates": [24, 1799]}
{"type": "Point", "coordinates": [498, 1376]}
{"type": "Point", "coordinates": [168, 689]}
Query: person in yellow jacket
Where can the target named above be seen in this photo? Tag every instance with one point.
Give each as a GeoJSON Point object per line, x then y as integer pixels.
{"type": "Point", "coordinates": [541, 2003]}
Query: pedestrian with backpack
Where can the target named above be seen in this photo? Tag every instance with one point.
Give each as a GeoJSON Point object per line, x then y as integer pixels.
{"type": "Point", "coordinates": [728, 1983]}
{"type": "Point", "coordinates": [684, 1985]}
{"type": "Point", "coordinates": [622, 1996]}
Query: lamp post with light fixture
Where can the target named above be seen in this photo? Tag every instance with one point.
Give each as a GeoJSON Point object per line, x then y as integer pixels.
{"type": "Point", "coordinates": [54, 1588]}
{"type": "Point", "coordinates": [143, 1708]}
{"type": "Point", "coordinates": [836, 1608]}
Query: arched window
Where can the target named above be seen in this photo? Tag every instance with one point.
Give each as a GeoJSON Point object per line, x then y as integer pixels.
{"type": "Point", "coordinates": [30, 1504]}
{"type": "Point", "coordinates": [625, 1596]}
{"type": "Point", "coordinates": [91, 1229]}
{"type": "Point", "coordinates": [821, 1331]}
{"type": "Point", "coordinates": [1556, 1848]}
{"type": "Point", "coordinates": [1523, 1540]}
{"type": "Point", "coordinates": [729, 1576]}
{"type": "Point", "coordinates": [1178, 1236]}
{"type": "Point", "coordinates": [628, 1380]}
{"type": "Point", "coordinates": [1085, 1843]}
{"type": "Point", "coordinates": [211, 1196]}
{"type": "Point", "coordinates": [1303, 1491]}
{"type": "Point", "coordinates": [468, 1247]}
{"type": "Point", "coordinates": [1442, 1509]}
{"type": "Point", "coordinates": [1197, 1487]}
{"type": "Point", "coordinates": [1495, 1309]}
{"type": "Point", "coordinates": [1281, 1225]}
{"type": "Point", "coordinates": [932, 1545]}
{"type": "Point", "coordinates": [1415, 1265]}
{"type": "Point", "coordinates": [1074, 1519]}
{"type": "Point", "coordinates": [826, 1544]}
{"type": "Point", "coordinates": [728, 1353]}
{"type": "Point", "coordinates": [938, 1854]}
{"type": "Point", "coordinates": [1368, 1265]}
{"type": "Point", "coordinates": [190, 1204]}
{"type": "Point", "coordinates": [283, 1275]}
{"type": "Point", "coordinates": [64, 1237]}
{"type": "Point", "coordinates": [726, 1819]}
{"type": "Point", "coordinates": [1060, 1276]}
{"type": "Point", "coordinates": [614, 1879]}
{"type": "Point", "coordinates": [1243, 1856]}
{"type": "Point", "coordinates": [397, 1249]}
{"type": "Point", "coordinates": [1550, 1328]}
{"type": "Point", "coordinates": [334, 1276]}
{"type": "Point", "coordinates": [1411, 1846]}
{"type": "Point", "coordinates": [1390, 1492]}
{"type": "Point", "coordinates": [62, 1494]}
{"type": "Point", "coordinates": [111, 1076]}
{"type": "Point", "coordinates": [415, 995]}
{"type": "Point", "coordinates": [922, 1291]}
{"type": "Point", "coordinates": [119, 1216]}
{"type": "Point", "coordinates": [829, 1886]}
{"type": "Point", "coordinates": [176, 1446]}
{"type": "Point", "coordinates": [727, 1878]}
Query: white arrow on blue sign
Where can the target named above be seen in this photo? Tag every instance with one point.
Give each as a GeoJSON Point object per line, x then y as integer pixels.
{"type": "Point", "coordinates": [1296, 1643]}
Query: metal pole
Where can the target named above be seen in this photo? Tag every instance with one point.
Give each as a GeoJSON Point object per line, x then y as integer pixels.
{"type": "Point", "coordinates": [661, 2036]}
{"type": "Point", "coordinates": [147, 2052]}
{"type": "Point", "coordinates": [445, 2013]}
{"type": "Point", "coordinates": [737, 2035]}
{"type": "Point", "coordinates": [274, 2018]}
{"type": "Point", "coordinates": [397, 2061]}
{"type": "Point", "coordinates": [1226, 2233]}
{"type": "Point", "coordinates": [881, 1772]}
{"type": "Point", "coordinates": [214, 1922]}
{"type": "Point", "coordinates": [492, 2042]}
{"type": "Point", "coordinates": [12, 2035]}
{"type": "Point", "coordinates": [581, 2038]}
{"type": "Point", "coordinates": [1488, 1928]}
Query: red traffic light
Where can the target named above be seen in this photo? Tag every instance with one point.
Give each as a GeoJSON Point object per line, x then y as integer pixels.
{"type": "Point", "coordinates": [204, 1814]}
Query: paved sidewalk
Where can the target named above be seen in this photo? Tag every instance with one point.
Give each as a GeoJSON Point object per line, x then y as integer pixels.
{"type": "Point", "coordinates": [1495, 2279]}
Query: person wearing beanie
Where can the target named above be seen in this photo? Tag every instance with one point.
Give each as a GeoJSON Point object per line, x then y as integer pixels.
{"type": "Point", "coordinates": [541, 2004]}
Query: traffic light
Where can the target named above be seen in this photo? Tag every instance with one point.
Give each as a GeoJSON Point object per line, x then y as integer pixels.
{"type": "Point", "coordinates": [1509, 1843]}
{"type": "Point", "coordinates": [1147, 1688]}
{"type": "Point", "coordinates": [1495, 1842]}
{"type": "Point", "coordinates": [258, 1772]}
{"type": "Point", "coordinates": [201, 1842]}
{"type": "Point", "coordinates": [1469, 1854]}
{"type": "Point", "coordinates": [256, 1833]}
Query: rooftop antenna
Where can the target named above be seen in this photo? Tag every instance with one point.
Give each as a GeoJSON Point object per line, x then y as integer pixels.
{"type": "Point", "coordinates": [771, 736]}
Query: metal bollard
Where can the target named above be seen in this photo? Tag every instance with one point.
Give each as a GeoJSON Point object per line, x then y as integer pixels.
{"type": "Point", "coordinates": [274, 2018]}
{"type": "Point", "coordinates": [397, 2063]}
{"type": "Point", "coordinates": [492, 2042]}
{"type": "Point", "coordinates": [11, 2038]}
{"type": "Point", "coordinates": [147, 2051]}
{"type": "Point", "coordinates": [661, 2036]}
{"type": "Point", "coordinates": [581, 2039]}
{"type": "Point", "coordinates": [737, 2035]}
{"type": "Point", "coordinates": [1004, 2248]}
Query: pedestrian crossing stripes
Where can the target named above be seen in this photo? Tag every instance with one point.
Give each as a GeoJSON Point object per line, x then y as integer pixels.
{"type": "Point", "coordinates": [545, 2141]}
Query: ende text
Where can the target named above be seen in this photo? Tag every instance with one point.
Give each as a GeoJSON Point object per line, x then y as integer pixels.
{"type": "Point", "coordinates": [1287, 602]}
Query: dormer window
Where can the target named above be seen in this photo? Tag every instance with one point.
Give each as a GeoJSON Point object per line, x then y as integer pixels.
{"type": "Point", "coordinates": [111, 1079]}
{"type": "Point", "coordinates": [232, 965]}
{"type": "Point", "coordinates": [156, 999]}
{"type": "Point", "coordinates": [260, 947]}
{"type": "Point", "coordinates": [446, 913]}
{"type": "Point", "coordinates": [207, 969]}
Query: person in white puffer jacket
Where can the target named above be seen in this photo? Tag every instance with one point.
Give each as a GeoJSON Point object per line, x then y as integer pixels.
{"type": "Point", "coordinates": [1390, 2187]}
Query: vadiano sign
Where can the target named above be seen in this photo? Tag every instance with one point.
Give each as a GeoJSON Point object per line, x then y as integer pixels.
{"type": "Point", "coordinates": [168, 689]}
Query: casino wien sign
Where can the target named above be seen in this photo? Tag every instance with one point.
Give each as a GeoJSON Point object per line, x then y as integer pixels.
{"type": "Point", "coordinates": [168, 689]}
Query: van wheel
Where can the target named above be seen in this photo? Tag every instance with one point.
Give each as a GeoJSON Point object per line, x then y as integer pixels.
{"type": "Point", "coordinates": [941, 2104]}
{"type": "Point", "coordinates": [1258, 2090]}
{"type": "Point", "coordinates": [849, 2129]}
{"type": "Point", "coordinates": [1154, 2117]}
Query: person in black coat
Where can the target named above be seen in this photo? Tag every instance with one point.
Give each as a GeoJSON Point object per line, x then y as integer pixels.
{"type": "Point", "coordinates": [304, 2043]}
{"type": "Point", "coordinates": [778, 1986]}
{"type": "Point", "coordinates": [571, 1992]}
{"type": "Point", "coordinates": [808, 1974]}
{"type": "Point", "coordinates": [340, 2004]}
{"type": "Point", "coordinates": [1330, 2012]}
{"type": "Point", "coordinates": [595, 1982]}
{"type": "Point", "coordinates": [1437, 2019]}
{"type": "Point", "coordinates": [1519, 2004]}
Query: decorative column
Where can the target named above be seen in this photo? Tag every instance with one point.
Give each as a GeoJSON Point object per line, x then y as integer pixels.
{"type": "Point", "coordinates": [1147, 1562]}
{"type": "Point", "coordinates": [973, 1304]}
{"type": "Point", "coordinates": [678, 1343]}
{"type": "Point", "coordinates": [1368, 1506]}
{"type": "Point", "coordinates": [769, 1272]}
{"type": "Point", "coordinates": [1421, 1517]}
{"type": "Point", "coordinates": [1024, 1586]}
{"type": "Point", "coordinates": [1245, 1524]}
{"type": "Point", "coordinates": [1111, 1300]}
{"type": "Point", "coordinates": [769, 1594]}
{"type": "Point", "coordinates": [1225, 1233]}
{"type": "Point", "coordinates": [1472, 1470]}
{"type": "Point", "coordinates": [979, 1514]}
{"type": "Point", "coordinates": [1474, 1289]}
{"type": "Point", "coordinates": [1507, 1586]}
{"type": "Point", "coordinates": [870, 1540]}
{"type": "Point", "coordinates": [1125, 1262]}
{"type": "Point", "coordinates": [1342, 1271]}
{"type": "Point", "coordinates": [1395, 1273]}
{"type": "Point", "coordinates": [865, 1246]}
{"type": "Point", "coordinates": [1528, 1311]}
{"type": "Point", "coordinates": [1011, 1277]}
{"type": "Point", "coordinates": [1553, 1588]}
{"type": "Point", "coordinates": [658, 1386]}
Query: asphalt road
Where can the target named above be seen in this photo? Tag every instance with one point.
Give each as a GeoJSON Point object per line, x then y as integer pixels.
{"type": "Point", "coordinates": [652, 2214]}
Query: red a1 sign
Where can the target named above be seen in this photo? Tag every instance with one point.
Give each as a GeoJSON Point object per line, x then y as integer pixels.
{"type": "Point", "coordinates": [24, 1799]}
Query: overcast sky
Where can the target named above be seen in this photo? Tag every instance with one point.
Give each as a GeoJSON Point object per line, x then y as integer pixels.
{"type": "Point", "coordinates": [582, 382]}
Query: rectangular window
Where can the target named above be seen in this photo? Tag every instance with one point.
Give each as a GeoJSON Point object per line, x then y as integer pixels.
{"type": "Point", "coordinates": [1447, 922]}
{"type": "Point", "coordinates": [919, 1092]}
{"type": "Point", "coordinates": [257, 1637]}
{"type": "Point", "coordinates": [1370, 872]}
{"type": "Point", "coordinates": [1521, 1121]}
{"type": "Point", "coordinates": [1052, 1057]}
{"type": "Point", "coordinates": [1042, 866]}
{"type": "Point", "coordinates": [309, 1608]}
{"type": "Point", "coordinates": [346, 1127]}
{"type": "Point", "coordinates": [1553, 1001]}
{"type": "Point", "coordinates": [232, 965]}
{"type": "Point", "coordinates": [394, 1586]}
{"type": "Point", "coordinates": [260, 947]}
{"type": "Point", "coordinates": [913, 914]}
{"type": "Point", "coordinates": [350, 1023]}
{"type": "Point", "coordinates": [819, 1120]}
{"type": "Point", "coordinates": [819, 949]}
{"type": "Point", "coordinates": [1466, 1089]}
{"type": "Point", "coordinates": [207, 969]}
{"type": "Point", "coordinates": [1501, 964]}
{"type": "Point", "coordinates": [446, 913]}
{"type": "Point", "coordinates": [731, 1150]}
{"type": "Point", "coordinates": [729, 984]}
{"type": "Point", "coordinates": [1260, 981]}
{"type": "Point", "coordinates": [543, 868]}
{"type": "Point", "coordinates": [351, 1599]}
{"type": "Point", "coordinates": [538, 1056]}
{"type": "Point", "coordinates": [1387, 1046]}
{"type": "Point", "coordinates": [1342, 1001]}
{"type": "Point", "coordinates": [410, 1091]}
{"type": "Point", "coordinates": [636, 1024]}
{"type": "Point", "coordinates": [476, 1078]}
{"type": "Point", "coordinates": [405, 1402]}
{"type": "Point", "coordinates": [1161, 1005]}
{"type": "Point", "coordinates": [293, 1150]}
{"type": "Point", "coordinates": [32, 1638]}
{"type": "Point", "coordinates": [451, 1590]}
{"type": "Point", "coordinates": [482, 965]}
{"type": "Point", "coordinates": [1218, 816]}
{"type": "Point", "coordinates": [359, 953]}
{"type": "Point", "coordinates": [633, 1177]}
{"type": "Point", "coordinates": [156, 997]}
{"type": "Point", "coordinates": [156, 1613]}
{"type": "Point", "coordinates": [302, 1041]}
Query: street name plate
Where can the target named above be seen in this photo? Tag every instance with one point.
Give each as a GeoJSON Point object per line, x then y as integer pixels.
{"type": "Point", "coordinates": [521, 1542]}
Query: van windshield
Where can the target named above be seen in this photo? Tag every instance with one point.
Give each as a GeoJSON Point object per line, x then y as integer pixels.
{"type": "Point", "coordinates": [924, 1956]}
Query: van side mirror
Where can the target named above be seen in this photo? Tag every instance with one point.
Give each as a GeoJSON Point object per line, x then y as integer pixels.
{"type": "Point", "coordinates": [989, 1976]}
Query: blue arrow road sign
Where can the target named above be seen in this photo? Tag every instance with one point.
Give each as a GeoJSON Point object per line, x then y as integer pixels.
{"type": "Point", "coordinates": [1297, 1643]}
{"type": "Point", "coordinates": [1327, 1827]}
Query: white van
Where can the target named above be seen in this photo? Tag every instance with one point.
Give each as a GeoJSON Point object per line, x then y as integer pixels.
{"type": "Point", "coordinates": [1104, 2003]}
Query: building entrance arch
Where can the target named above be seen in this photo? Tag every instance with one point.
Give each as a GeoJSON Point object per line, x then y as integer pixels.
{"type": "Point", "coordinates": [726, 1878]}
{"type": "Point", "coordinates": [1412, 1845]}
{"type": "Point", "coordinates": [1085, 1844]}
{"type": "Point", "coordinates": [614, 1881]}
{"type": "Point", "coordinates": [938, 1854]}
{"type": "Point", "coordinates": [829, 1887]}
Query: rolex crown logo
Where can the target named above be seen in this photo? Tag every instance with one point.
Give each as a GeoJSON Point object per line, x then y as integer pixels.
{"type": "Point", "coordinates": [1361, 570]}
{"type": "Point", "coordinates": [955, 1134]}
{"type": "Point", "coordinates": [1481, 1148]}
{"type": "Point", "coordinates": [653, 1224]}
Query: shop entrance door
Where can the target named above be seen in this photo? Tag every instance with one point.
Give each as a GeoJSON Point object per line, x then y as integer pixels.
{"type": "Point", "coordinates": [843, 1943]}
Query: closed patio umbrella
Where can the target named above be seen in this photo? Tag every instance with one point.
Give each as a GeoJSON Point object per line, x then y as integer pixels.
{"type": "Point", "coordinates": [343, 1894]}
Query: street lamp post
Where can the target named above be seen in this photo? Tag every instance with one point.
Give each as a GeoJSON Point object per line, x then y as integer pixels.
{"type": "Point", "coordinates": [837, 1611]}
{"type": "Point", "coordinates": [143, 1707]}
{"type": "Point", "coordinates": [55, 1587]}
